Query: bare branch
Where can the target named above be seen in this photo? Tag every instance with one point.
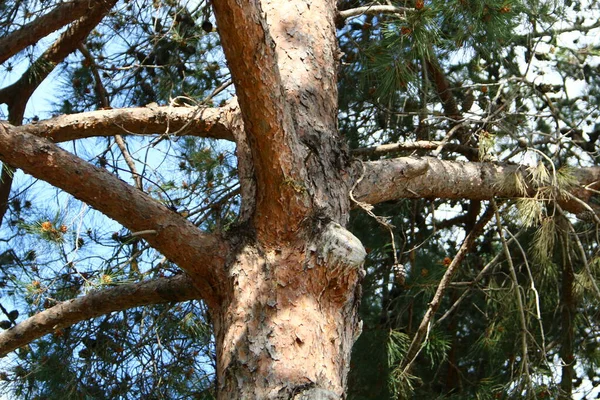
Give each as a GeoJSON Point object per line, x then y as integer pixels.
{"type": "Point", "coordinates": [104, 103]}
{"type": "Point", "coordinates": [199, 254]}
{"type": "Point", "coordinates": [96, 303]}
{"type": "Point", "coordinates": [427, 321]}
{"type": "Point", "coordinates": [17, 95]}
{"type": "Point", "coordinates": [427, 177]}
{"type": "Point", "coordinates": [467, 151]}
{"type": "Point", "coordinates": [32, 32]}
{"type": "Point", "coordinates": [152, 119]}
{"type": "Point", "coordinates": [374, 10]}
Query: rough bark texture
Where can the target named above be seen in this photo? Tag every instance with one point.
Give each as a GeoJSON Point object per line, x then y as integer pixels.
{"type": "Point", "coordinates": [289, 112]}
{"type": "Point", "coordinates": [96, 303]}
{"type": "Point", "coordinates": [289, 322]}
{"type": "Point", "coordinates": [428, 177]}
{"type": "Point", "coordinates": [17, 95]}
{"type": "Point", "coordinates": [289, 319]}
{"type": "Point", "coordinates": [283, 289]}
{"type": "Point", "coordinates": [152, 119]}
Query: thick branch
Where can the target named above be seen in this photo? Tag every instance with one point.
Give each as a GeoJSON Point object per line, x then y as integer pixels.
{"type": "Point", "coordinates": [427, 177]}
{"type": "Point", "coordinates": [290, 113]}
{"type": "Point", "coordinates": [199, 254]}
{"type": "Point", "coordinates": [42, 26]}
{"type": "Point", "coordinates": [152, 119]}
{"type": "Point", "coordinates": [96, 303]}
{"type": "Point", "coordinates": [17, 95]}
{"type": "Point", "coordinates": [252, 59]}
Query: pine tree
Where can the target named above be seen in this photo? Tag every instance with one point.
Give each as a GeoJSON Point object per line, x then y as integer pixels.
{"type": "Point", "coordinates": [228, 167]}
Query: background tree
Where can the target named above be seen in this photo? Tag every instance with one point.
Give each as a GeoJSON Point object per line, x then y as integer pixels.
{"type": "Point", "coordinates": [227, 271]}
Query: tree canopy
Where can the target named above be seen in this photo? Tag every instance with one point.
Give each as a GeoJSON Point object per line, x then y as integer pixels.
{"type": "Point", "coordinates": [171, 165]}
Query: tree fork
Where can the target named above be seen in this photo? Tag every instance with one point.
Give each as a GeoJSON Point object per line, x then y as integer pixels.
{"type": "Point", "coordinates": [290, 315]}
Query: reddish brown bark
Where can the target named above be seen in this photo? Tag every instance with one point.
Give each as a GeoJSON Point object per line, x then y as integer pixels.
{"type": "Point", "coordinates": [289, 319]}
{"type": "Point", "coordinates": [283, 289]}
{"type": "Point", "coordinates": [289, 112]}
{"type": "Point", "coordinates": [287, 326]}
{"type": "Point", "coordinates": [17, 95]}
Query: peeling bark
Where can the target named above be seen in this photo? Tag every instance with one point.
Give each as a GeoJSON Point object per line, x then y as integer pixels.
{"type": "Point", "coordinates": [290, 114]}
{"type": "Point", "coordinates": [283, 287]}
{"type": "Point", "coordinates": [290, 319]}
{"type": "Point", "coordinates": [428, 177]}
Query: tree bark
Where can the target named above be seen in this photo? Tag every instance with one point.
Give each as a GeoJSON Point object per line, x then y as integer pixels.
{"type": "Point", "coordinates": [289, 317]}
{"type": "Point", "coordinates": [200, 254]}
{"type": "Point", "coordinates": [287, 326]}
{"type": "Point", "coordinates": [32, 32]}
{"type": "Point", "coordinates": [150, 120]}
{"type": "Point", "coordinates": [283, 288]}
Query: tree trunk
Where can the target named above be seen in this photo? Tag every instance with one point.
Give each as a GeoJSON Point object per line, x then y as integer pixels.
{"type": "Point", "coordinates": [288, 320]}
{"type": "Point", "coordinates": [287, 326]}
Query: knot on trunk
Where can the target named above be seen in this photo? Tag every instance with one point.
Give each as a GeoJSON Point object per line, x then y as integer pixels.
{"type": "Point", "coordinates": [337, 248]}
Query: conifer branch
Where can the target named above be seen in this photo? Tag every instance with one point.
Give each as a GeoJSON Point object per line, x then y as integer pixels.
{"type": "Point", "coordinates": [387, 180]}
{"type": "Point", "coordinates": [40, 27]}
{"type": "Point", "coordinates": [200, 254]}
{"type": "Point", "coordinates": [427, 321]}
{"type": "Point", "coordinates": [150, 120]}
{"type": "Point", "coordinates": [373, 10]}
{"type": "Point", "coordinates": [386, 149]}
{"type": "Point", "coordinates": [17, 95]}
{"type": "Point", "coordinates": [96, 303]}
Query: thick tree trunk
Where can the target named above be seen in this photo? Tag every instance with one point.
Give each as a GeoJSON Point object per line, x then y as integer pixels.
{"type": "Point", "coordinates": [290, 319]}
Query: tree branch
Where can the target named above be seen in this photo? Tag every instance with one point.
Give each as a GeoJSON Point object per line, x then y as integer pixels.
{"type": "Point", "coordinates": [426, 322]}
{"type": "Point", "coordinates": [17, 95]}
{"type": "Point", "coordinates": [268, 119]}
{"type": "Point", "coordinates": [104, 103]}
{"type": "Point", "coordinates": [385, 149]}
{"type": "Point", "coordinates": [200, 255]}
{"type": "Point", "coordinates": [152, 119]}
{"type": "Point", "coordinates": [428, 177]}
{"type": "Point", "coordinates": [373, 10]}
{"type": "Point", "coordinates": [96, 303]}
{"type": "Point", "coordinates": [6, 180]}
{"type": "Point", "coordinates": [42, 26]}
